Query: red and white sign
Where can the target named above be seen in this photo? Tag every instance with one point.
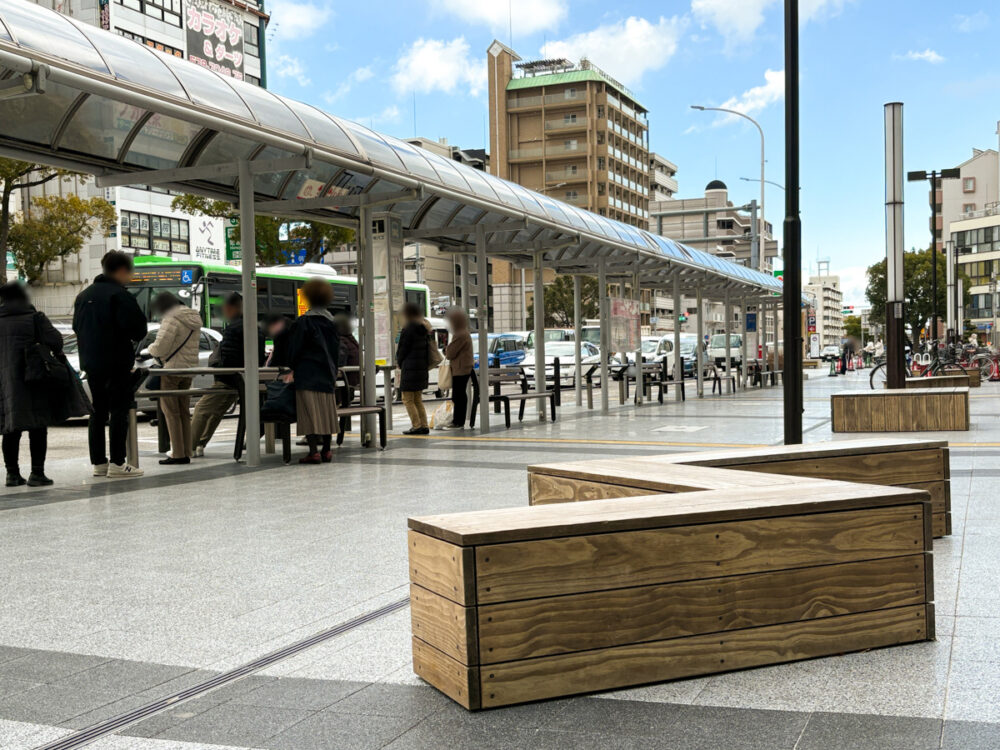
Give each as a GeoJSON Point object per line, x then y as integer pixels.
{"type": "Point", "coordinates": [215, 37]}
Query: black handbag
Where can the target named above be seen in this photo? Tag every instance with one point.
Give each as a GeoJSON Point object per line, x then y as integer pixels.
{"type": "Point", "coordinates": [279, 403]}
{"type": "Point", "coordinates": [153, 382]}
{"type": "Point", "coordinates": [42, 366]}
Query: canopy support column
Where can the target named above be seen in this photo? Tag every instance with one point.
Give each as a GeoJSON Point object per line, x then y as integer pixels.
{"type": "Point", "coordinates": [366, 317]}
{"type": "Point", "coordinates": [483, 329]}
{"type": "Point", "coordinates": [728, 330]}
{"type": "Point", "coordinates": [700, 348]}
{"type": "Point", "coordinates": [577, 338]}
{"type": "Point", "coordinates": [637, 298]}
{"type": "Point", "coordinates": [251, 375]}
{"type": "Point", "coordinates": [743, 342]}
{"type": "Point", "coordinates": [463, 282]}
{"type": "Point", "coordinates": [602, 296]}
{"type": "Point", "coordinates": [678, 367]}
{"type": "Point", "coordinates": [540, 364]}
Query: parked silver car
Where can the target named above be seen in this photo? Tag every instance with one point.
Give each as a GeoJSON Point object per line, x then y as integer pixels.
{"type": "Point", "coordinates": [208, 342]}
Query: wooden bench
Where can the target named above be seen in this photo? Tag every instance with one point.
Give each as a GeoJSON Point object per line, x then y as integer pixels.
{"type": "Point", "coordinates": [501, 376]}
{"type": "Point", "coordinates": [901, 410]}
{"type": "Point", "coordinates": [525, 604]}
{"type": "Point", "coordinates": [915, 464]}
{"type": "Point", "coordinates": [950, 380]}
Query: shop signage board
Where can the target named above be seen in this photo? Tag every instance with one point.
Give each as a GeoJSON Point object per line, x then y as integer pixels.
{"type": "Point", "coordinates": [624, 324]}
{"type": "Point", "coordinates": [215, 37]}
{"type": "Point", "coordinates": [388, 290]}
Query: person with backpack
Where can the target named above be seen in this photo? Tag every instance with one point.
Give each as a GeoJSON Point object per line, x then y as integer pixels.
{"type": "Point", "coordinates": [176, 347]}
{"type": "Point", "coordinates": [413, 361]}
{"type": "Point", "coordinates": [108, 323]}
{"type": "Point", "coordinates": [32, 399]}
{"type": "Point", "coordinates": [312, 352]}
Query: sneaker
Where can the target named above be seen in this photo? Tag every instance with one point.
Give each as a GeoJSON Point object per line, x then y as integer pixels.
{"type": "Point", "coordinates": [311, 458]}
{"type": "Point", "coordinates": [199, 452]}
{"type": "Point", "coordinates": [38, 479]}
{"type": "Point", "coordinates": [14, 479]}
{"type": "Point", "coordinates": [453, 427]}
{"type": "Point", "coordinates": [100, 470]}
{"type": "Point", "coordinates": [124, 471]}
{"type": "Point", "coordinates": [417, 431]}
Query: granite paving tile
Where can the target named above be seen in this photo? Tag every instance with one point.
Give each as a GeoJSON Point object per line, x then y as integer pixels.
{"type": "Point", "coordinates": [826, 731]}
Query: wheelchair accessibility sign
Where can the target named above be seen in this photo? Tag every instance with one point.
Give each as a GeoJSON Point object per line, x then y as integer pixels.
{"type": "Point", "coordinates": [187, 276]}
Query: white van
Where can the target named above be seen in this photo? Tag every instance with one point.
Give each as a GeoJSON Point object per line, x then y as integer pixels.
{"type": "Point", "coordinates": [717, 348]}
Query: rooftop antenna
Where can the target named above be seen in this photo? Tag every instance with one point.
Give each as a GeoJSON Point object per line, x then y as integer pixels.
{"type": "Point", "coordinates": [414, 114]}
{"type": "Point", "coordinates": [510, 23]}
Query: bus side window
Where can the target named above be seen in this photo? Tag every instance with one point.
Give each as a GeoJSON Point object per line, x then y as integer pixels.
{"type": "Point", "coordinates": [283, 297]}
{"type": "Point", "coordinates": [263, 301]}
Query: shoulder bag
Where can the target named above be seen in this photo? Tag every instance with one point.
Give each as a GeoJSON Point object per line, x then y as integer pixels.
{"type": "Point", "coordinates": [42, 366]}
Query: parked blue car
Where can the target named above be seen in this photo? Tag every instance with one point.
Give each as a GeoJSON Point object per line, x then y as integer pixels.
{"type": "Point", "coordinates": [505, 349]}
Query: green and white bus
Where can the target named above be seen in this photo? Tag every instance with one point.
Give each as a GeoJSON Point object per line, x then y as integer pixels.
{"type": "Point", "coordinates": [205, 286]}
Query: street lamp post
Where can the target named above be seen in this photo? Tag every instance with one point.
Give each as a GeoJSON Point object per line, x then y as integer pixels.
{"type": "Point", "coordinates": [769, 182]}
{"type": "Point", "coordinates": [763, 219]}
{"type": "Point", "coordinates": [934, 178]}
{"type": "Point", "coordinates": [792, 291]}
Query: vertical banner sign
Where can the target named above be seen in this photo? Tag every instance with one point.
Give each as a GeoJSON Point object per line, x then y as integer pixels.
{"type": "Point", "coordinates": [388, 290]}
{"type": "Point", "coordinates": [624, 324]}
{"type": "Point", "coordinates": [234, 248]}
{"type": "Point", "coordinates": [215, 37]}
{"type": "Point", "coordinates": [104, 7]}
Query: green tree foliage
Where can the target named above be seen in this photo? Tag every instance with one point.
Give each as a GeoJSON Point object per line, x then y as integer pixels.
{"type": "Point", "coordinates": [15, 175]}
{"type": "Point", "coordinates": [269, 229]}
{"type": "Point", "coordinates": [917, 287]}
{"type": "Point", "coordinates": [852, 327]}
{"type": "Point", "coordinates": [55, 227]}
{"type": "Point", "coordinates": [559, 301]}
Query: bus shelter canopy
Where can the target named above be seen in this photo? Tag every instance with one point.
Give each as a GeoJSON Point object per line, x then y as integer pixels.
{"type": "Point", "coordinates": [77, 97]}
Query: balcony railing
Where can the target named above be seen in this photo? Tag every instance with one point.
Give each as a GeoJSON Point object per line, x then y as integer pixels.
{"type": "Point", "coordinates": [552, 152]}
{"type": "Point", "coordinates": [560, 175]}
{"type": "Point", "coordinates": [556, 125]}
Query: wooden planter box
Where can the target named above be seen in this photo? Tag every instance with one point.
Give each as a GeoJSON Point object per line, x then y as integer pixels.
{"type": "Point", "coordinates": [524, 604]}
{"type": "Point", "coordinates": [975, 377]}
{"type": "Point", "coordinates": [901, 410]}
{"type": "Point", "coordinates": [951, 380]}
{"type": "Point", "coordinates": [900, 462]}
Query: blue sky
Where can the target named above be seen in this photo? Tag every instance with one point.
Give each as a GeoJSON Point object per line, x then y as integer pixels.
{"type": "Point", "coordinates": [387, 63]}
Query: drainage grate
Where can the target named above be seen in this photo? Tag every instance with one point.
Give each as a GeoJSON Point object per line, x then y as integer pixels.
{"type": "Point", "coordinates": [116, 723]}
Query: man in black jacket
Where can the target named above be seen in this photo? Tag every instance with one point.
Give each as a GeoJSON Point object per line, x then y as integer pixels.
{"type": "Point", "coordinates": [212, 407]}
{"type": "Point", "coordinates": [108, 323]}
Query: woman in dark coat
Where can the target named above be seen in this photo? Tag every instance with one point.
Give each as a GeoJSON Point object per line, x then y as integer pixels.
{"type": "Point", "coordinates": [412, 360]}
{"type": "Point", "coordinates": [350, 356]}
{"type": "Point", "coordinates": [313, 350]}
{"type": "Point", "coordinates": [27, 406]}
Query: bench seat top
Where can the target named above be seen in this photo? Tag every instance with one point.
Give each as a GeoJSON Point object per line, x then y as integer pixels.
{"type": "Point", "coordinates": [656, 511]}
{"type": "Point", "coordinates": [900, 392]}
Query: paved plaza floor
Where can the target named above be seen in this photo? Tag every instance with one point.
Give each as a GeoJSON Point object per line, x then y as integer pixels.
{"type": "Point", "coordinates": [116, 595]}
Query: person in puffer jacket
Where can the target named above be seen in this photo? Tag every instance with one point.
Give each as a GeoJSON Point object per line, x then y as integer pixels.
{"type": "Point", "coordinates": [176, 347]}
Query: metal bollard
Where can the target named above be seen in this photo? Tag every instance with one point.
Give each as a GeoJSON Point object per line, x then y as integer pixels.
{"type": "Point", "coordinates": [132, 445]}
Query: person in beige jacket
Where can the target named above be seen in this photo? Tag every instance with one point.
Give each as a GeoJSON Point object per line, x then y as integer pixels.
{"type": "Point", "coordinates": [459, 353]}
{"type": "Point", "coordinates": [176, 346]}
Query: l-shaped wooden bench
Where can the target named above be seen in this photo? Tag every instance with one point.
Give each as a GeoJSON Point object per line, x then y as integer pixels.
{"type": "Point", "coordinates": [749, 566]}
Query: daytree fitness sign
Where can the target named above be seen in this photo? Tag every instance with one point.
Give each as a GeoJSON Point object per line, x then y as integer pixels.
{"type": "Point", "coordinates": [215, 37]}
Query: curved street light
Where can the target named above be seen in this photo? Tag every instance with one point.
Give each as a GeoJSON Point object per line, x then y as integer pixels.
{"type": "Point", "coordinates": [757, 179]}
{"type": "Point", "coordinates": [763, 220]}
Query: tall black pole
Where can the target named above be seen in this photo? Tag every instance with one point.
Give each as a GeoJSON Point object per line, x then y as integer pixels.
{"type": "Point", "coordinates": [934, 298]}
{"type": "Point", "coordinates": [792, 233]}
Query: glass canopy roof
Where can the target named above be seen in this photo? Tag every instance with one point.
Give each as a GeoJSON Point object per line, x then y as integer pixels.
{"type": "Point", "coordinates": [111, 105]}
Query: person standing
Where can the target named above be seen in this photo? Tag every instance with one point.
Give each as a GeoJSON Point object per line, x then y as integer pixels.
{"type": "Point", "coordinates": [460, 355]}
{"type": "Point", "coordinates": [109, 323]}
{"type": "Point", "coordinates": [176, 347]}
{"type": "Point", "coordinates": [412, 360]}
{"type": "Point", "coordinates": [30, 407]}
{"type": "Point", "coordinates": [212, 407]}
{"type": "Point", "coordinates": [350, 356]}
{"type": "Point", "coordinates": [312, 353]}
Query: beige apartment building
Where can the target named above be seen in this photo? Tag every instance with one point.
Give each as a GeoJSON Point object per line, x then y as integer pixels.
{"type": "Point", "coordinates": [829, 305]}
{"type": "Point", "coordinates": [977, 189]}
{"type": "Point", "coordinates": [573, 133]}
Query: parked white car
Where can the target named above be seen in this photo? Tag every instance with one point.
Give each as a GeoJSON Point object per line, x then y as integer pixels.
{"type": "Point", "coordinates": [717, 349]}
{"type": "Point", "coordinates": [565, 351]}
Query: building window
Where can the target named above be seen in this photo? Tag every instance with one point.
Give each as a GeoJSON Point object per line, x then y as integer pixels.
{"type": "Point", "coordinates": [168, 11]}
{"type": "Point", "coordinates": [251, 79]}
{"type": "Point", "coordinates": [160, 46]}
{"type": "Point", "coordinates": [251, 39]}
{"type": "Point", "coordinates": [160, 234]}
{"type": "Point", "coordinates": [571, 170]}
{"type": "Point", "coordinates": [968, 208]}
{"type": "Point", "coordinates": [571, 144]}
{"type": "Point", "coordinates": [968, 184]}
{"type": "Point", "coordinates": [979, 272]}
{"type": "Point", "coordinates": [570, 93]}
{"type": "Point", "coordinates": [569, 119]}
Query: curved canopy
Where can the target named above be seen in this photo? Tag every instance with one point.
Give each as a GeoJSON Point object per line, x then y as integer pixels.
{"type": "Point", "coordinates": [107, 105]}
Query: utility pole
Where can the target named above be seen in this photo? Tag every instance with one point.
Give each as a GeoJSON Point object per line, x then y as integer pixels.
{"type": "Point", "coordinates": [935, 179]}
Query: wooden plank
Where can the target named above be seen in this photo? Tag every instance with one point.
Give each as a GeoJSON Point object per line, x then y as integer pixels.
{"type": "Point", "coordinates": [544, 489]}
{"type": "Point", "coordinates": [442, 623]}
{"type": "Point", "coordinates": [880, 468]}
{"type": "Point", "coordinates": [654, 511]}
{"type": "Point", "coordinates": [938, 490]}
{"type": "Point", "coordinates": [442, 568]}
{"type": "Point", "coordinates": [563, 624]}
{"type": "Point", "coordinates": [551, 567]}
{"type": "Point", "coordinates": [459, 682]}
{"type": "Point", "coordinates": [636, 664]}
{"type": "Point", "coordinates": [941, 525]}
{"type": "Point", "coordinates": [737, 457]}
{"type": "Point", "coordinates": [837, 421]}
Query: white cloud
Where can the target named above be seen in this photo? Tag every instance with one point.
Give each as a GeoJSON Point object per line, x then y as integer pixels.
{"type": "Point", "coordinates": [626, 49]}
{"type": "Point", "coordinates": [854, 284]}
{"type": "Point", "coordinates": [292, 20]}
{"type": "Point", "coordinates": [757, 98]}
{"type": "Point", "coordinates": [526, 16]}
{"type": "Point", "coordinates": [738, 20]}
{"type": "Point", "coordinates": [287, 66]}
{"type": "Point", "coordinates": [360, 75]}
{"type": "Point", "coordinates": [389, 114]}
{"type": "Point", "coordinates": [928, 55]}
{"type": "Point", "coordinates": [435, 65]}
{"type": "Point", "coordinates": [970, 23]}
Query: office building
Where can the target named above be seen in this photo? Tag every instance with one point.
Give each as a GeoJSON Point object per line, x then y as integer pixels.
{"type": "Point", "coordinates": [225, 36]}
{"type": "Point", "coordinates": [828, 304]}
{"type": "Point", "coordinates": [977, 248]}
{"type": "Point", "coordinates": [662, 179]}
